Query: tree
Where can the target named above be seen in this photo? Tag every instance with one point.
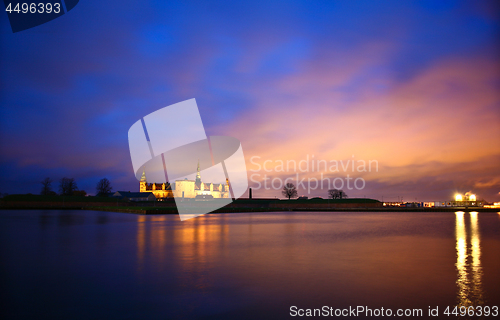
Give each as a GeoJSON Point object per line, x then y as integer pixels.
{"type": "Point", "coordinates": [67, 186]}
{"type": "Point", "coordinates": [46, 186]}
{"type": "Point", "coordinates": [80, 193]}
{"type": "Point", "coordinates": [336, 194]}
{"type": "Point", "coordinates": [289, 191]}
{"type": "Point", "coordinates": [103, 187]}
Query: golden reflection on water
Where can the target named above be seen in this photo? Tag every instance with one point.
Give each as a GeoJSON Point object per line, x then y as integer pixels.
{"type": "Point", "coordinates": [469, 270]}
{"type": "Point", "coordinates": [153, 239]}
{"type": "Point", "coordinates": [141, 240]}
{"type": "Point", "coordinates": [461, 264]}
{"type": "Point", "coordinates": [477, 271]}
{"type": "Point", "coordinates": [196, 240]}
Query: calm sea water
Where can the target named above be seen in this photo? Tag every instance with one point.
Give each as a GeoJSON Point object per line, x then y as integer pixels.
{"type": "Point", "coordinates": [102, 265]}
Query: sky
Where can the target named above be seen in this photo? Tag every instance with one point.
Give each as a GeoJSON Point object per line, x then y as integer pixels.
{"type": "Point", "coordinates": [411, 85]}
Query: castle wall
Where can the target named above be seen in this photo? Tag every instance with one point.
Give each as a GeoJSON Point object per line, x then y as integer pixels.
{"type": "Point", "coordinates": [186, 186]}
{"type": "Point", "coordinates": [163, 193]}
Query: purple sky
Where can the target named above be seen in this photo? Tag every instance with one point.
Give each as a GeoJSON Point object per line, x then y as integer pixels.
{"type": "Point", "coordinates": [413, 85]}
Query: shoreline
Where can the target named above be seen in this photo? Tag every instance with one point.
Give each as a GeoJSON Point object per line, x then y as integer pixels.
{"type": "Point", "coordinates": [36, 202]}
{"type": "Point", "coordinates": [169, 210]}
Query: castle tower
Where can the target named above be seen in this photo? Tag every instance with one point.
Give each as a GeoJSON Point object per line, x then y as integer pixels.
{"type": "Point", "coordinates": [198, 177]}
{"type": "Point", "coordinates": [226, 189]}
{"type": "Point", "coordinates": [142, 183]}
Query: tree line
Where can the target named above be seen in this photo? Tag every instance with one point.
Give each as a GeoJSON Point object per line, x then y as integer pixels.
{"type": "Point", "coordinates": [290, 191]}
{"type": "Point", "coordinates": [68, 187]}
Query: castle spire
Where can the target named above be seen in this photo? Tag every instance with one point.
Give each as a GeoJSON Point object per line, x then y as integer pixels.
{"type": "Point", "coordinates": [198, 178]}
{"type": "Point", "coordinates": [143, 177]}
{"type": "Point", "coordinates": [198, 171]}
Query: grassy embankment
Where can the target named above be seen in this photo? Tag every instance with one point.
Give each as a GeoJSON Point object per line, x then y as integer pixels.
{"type": "Point", "coordinates": [240, 205]}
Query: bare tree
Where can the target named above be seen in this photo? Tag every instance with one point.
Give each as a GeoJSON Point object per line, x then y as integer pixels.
{"type": "Point", "coordinates": [103, 187]}
{"type": "Point", "coordinates": [336, 194]}
{"type": "Point", "coordinates": [46, 186]}
{"type": "Point", "coordinates": [67, 186]}
{"type": "Point", "coordinates": [289, 191]}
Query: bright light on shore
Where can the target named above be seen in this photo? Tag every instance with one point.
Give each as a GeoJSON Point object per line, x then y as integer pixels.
{"type": "Point", "coordinates": [472, 197]}
{"type": "Point", "coordinates": [458, 197]}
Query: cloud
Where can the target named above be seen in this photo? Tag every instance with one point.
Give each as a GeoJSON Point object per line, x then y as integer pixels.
{"type": "Point", "coordinates": [441, 124]}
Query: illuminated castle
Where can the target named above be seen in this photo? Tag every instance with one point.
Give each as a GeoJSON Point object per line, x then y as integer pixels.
{"type": "Point", "coordinates": [185, 188]}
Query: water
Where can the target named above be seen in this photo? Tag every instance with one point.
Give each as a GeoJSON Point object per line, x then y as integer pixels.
{"type": "Point", "coordinates": [98, 265]}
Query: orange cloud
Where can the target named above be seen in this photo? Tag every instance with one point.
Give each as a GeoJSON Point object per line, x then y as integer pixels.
{"type": "Point", "coordinates": [429, 125]}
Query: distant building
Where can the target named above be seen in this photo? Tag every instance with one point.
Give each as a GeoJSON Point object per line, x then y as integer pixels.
{"type": "Point", "coordinates": [135, 196]}
{"type": "Point", "coordinates": [433, 204]}
{"type": "Point", "coordinates": [494, 205]}
{"type": "Point", "coordinates": [466, 200]}
{"type": "Point", "coordinates": [393, 204]}
{"type": "Point", "coordinates": [186, 188]}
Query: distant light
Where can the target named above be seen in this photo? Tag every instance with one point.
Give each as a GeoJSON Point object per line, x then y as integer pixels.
{"type": "Point", "coordinates": [472, 197]}
{"type": "Point", "coordinates": [458, 197]}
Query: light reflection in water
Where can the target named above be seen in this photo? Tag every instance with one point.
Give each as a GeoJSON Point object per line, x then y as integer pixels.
{"type": "Point", "coordinates": [153, 239]}
{"type": "Point", "coordinates": [197, 242]}
{"type": "Point", "coordinates": [141, 240]}
{"type": "Point", "coordinates": [469, 273]}
{"type": "Point", "coordinates": [462, 281]}
{"type": "Point", "coordinates": [477, 271]}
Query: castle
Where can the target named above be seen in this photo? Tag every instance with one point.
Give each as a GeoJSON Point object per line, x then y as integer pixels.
{"type": "Point", "coordinates": [185, 188]}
